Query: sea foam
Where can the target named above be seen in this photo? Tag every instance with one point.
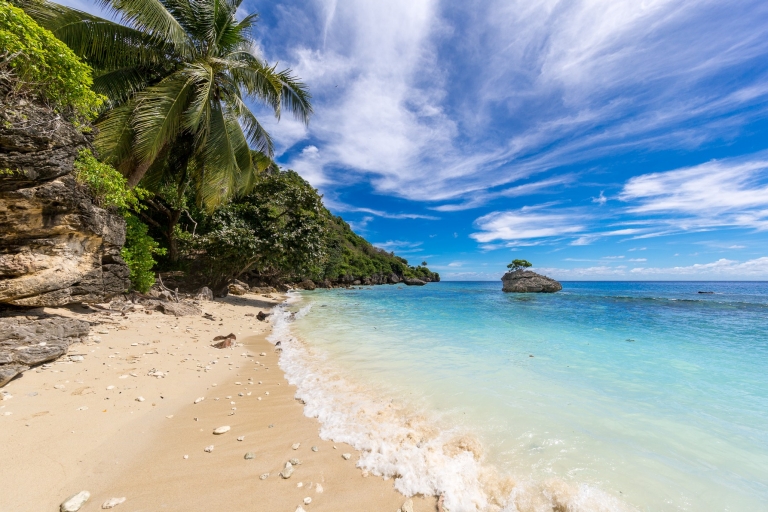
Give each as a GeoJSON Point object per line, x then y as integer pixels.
{"type": "Point", "coordinates": [416, 448]}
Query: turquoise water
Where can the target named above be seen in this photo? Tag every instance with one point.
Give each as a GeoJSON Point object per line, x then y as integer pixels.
{"type": "Point", "coordinates": [605, 396]}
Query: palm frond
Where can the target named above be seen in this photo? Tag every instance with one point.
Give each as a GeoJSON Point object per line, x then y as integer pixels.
{"type": "Point", "coordinates": [104, 44]}
{"type": "Point", "coordinates": [223, 153]}
{"type": "Point", "coordinates": [154, 19]}
{"type": "Point", "coordinates": [114, 138]}
{"type": "Point", "coordinates": [119, 85]}
{"type": "Point", "coordinates": [158, 115]}
{"type": "Point", "coordinates": [254, 131]}
{"type": "Point", "coordinates": [295, 96]}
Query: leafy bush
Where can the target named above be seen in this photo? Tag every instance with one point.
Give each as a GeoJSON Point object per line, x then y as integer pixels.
{"type": "Point", "coordinates": [519, 265]}
{"type": "Point", "coordinates": [45, 64]}
{"type": "Point", "coordinates": [138, 253]}
{"type": "Point", "coordinates": [108, 186]}
{"type": "Point", "coordinates": [277, 229]}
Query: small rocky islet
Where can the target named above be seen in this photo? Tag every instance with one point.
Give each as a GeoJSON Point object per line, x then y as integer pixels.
{"type": "Point", "coordinates": [526, 281]}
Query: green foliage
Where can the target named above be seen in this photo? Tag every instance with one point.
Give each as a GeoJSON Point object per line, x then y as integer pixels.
{"type": "Point", "coordinates": [106, 184]}
{"type": "Point", "coordinates": [519, 265]}
{"type": "Point", "coordinates": [277, 229]}
{"type": "Point", "coordinates": [138, 253]}
{"type": "Point", "coordinates": [178, 74]}
{"type": "Point", "coordinates": [45, 65]}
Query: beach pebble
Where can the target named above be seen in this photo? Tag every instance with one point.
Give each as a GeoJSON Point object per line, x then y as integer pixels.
{"type": "Point", "coordinates": [346, 456]}
{"type": "Point", "coordinates": [169, 416]}
{"type": "Point", "coordinates": [295, 446]}
{"type": "Point", "coordinates": [299, 509]}
{"type": "Point", "coordinates": [295, 462]}
{"type": "Point", "coordinates": [76, 358]}
{"type": "Point", "coordinates": [319, 489]}
{"type": "Point", "coordinates": [133, 374]}
{"type": "Point", "coordinates": [263, 354]}
{"type": "Point", "coordinates": [287, 470]}
{"type": "Point", "coordinates": [315, 449]}
{"type": "Point", "coordinates": [407, 506]}
{"type": "Point", "coordinates": [110, 388]}
{"type": "Point", "coordinates": [240, 394]}
{"type": "Point", "coordinates": [241, 438]}
{"type": "Point", "coordinates": [221, 430]}
{"type": "Point", "coordinates": [113, 502]}
{"type": "Point", "coordinates": [75, 502]}
{"type": "Point", "coordinates": [186, 457]}
{"type": "Point", "coordinates": [307, 500]}
{"type": "Point", "coordinates": [264, 476]}
{"type": "Point", "coordinates": [199, 399]}
{"type": "Point", "coordinates": [208, 449]}
{"type": "Point", "coordinates": [123, 377]}
{"type": "Point", "coordinates": [83, 408]}
{"type": "Point", "coordinates": [59, 386]}
{"type": "Point", "coordinates": [139, 398]}
{"type": "Point", "coordinates": [249, 456]}
{"type": "Point", "coordinates": [266, 392]}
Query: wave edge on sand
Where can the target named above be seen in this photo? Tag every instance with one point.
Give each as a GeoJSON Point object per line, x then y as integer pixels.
{"type": "Point", "coordinates": [414, 447]}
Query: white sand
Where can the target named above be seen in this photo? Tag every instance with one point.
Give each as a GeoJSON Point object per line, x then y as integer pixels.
{"type": "Point", "coordinates": [57, 442]}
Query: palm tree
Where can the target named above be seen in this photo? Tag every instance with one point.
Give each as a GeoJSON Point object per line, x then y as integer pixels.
{"type": "Point", "coordinates": [177, 74]}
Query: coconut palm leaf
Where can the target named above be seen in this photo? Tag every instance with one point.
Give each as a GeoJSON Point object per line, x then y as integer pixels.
{"type": "Point", "coordinates": [157, 118]}
{"type": "Point", "coordinates": [178, 74]}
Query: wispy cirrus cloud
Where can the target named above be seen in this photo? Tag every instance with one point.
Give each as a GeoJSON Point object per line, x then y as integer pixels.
{"type": "Point", "coordinates": [731, 192]}
{"type": "Point", "coordinates": [404, 103]}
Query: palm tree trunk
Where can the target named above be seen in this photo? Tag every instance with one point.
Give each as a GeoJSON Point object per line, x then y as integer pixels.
{"type": "Point", "coordinates": [137, 173]}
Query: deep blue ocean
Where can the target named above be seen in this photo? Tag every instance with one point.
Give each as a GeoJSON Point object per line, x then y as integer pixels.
{"type": "Point", "coordinates": [605, 396]}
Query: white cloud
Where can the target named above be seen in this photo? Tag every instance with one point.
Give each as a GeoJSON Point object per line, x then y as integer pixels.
{"type": "Point", "coordinates": [399, 245]}
{"type": "Point", "coordinates": [721, 269]}
{"type": "Point", "coordinates": [757, 267]}
{"type": "Point", "coordinates": [638, 259]}
{"type": "Point", "coordinates": [718, 193]}
{"type": "Point", "coordinates": [403, 101]}
{"type": "Point", "coordinates": [525, 223]}
{"type": "Point", "coordinates": [601, 199]}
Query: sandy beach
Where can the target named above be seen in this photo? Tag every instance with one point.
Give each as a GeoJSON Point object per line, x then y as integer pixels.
{"type": "Point", "coordinates": [123, 422]}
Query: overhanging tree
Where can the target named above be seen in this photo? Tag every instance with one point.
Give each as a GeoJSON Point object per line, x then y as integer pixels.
{"type": "Point", "coordinates": [177, 74]}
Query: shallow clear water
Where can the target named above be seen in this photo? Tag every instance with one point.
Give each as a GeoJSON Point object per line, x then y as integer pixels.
{"type": "Point", "coordinates": [639, 396]}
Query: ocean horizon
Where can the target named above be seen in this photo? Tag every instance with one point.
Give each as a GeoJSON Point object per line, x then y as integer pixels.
{"type": "Point", "coordinates": [608, 395]}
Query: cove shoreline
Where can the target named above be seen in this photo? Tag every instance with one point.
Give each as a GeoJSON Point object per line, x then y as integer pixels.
{"type": "Point", "coordinates": [78, 426]}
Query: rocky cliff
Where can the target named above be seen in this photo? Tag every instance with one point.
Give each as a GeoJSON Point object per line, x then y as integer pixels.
{"type": "Point", "coordinates": [525, 281]}
{"type": "Point", "coordinates": [56, 246]}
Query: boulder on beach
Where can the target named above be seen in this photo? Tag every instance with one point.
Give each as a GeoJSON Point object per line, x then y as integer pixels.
{"type": "Point", "coordinates": [525, 281]}
{"type": "Point", "coordinates": [414, 282]}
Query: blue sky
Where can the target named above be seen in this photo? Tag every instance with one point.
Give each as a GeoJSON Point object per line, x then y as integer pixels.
{"type": "Point", "coordinates": [600, 139]}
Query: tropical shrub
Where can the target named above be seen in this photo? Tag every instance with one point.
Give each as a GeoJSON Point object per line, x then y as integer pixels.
{"type": "Point", "coordinates": [44, 65]}
{"type": "Point", "coordinates": [138, 252]}
{"type": "Point", "coordinates": [519, 265]}
{"type": "Point", "coordinates": [277, 229]}
{"type": "Point", "coordinates": [106, 185]}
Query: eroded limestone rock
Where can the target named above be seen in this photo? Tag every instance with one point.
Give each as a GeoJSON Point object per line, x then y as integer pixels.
{"type": "Point", "coordinates": [57, 246]}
